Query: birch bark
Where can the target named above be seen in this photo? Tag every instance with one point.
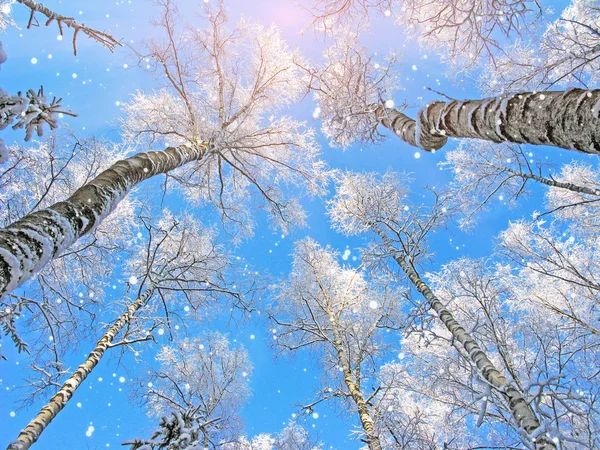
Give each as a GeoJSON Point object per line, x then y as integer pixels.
{"type": "Point", "coordinates": [31, 433]}
{"type": "Point", "coordinates": [27, 245]}
{"type": "Point", "coordinates": [566, 119]}
{"type": "Point", "coordinates": [553, 183]}
{"type": "Point", "coordinates": [521, 411]}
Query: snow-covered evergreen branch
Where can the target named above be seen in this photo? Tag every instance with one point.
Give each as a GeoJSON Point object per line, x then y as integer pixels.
{"type": "Point", "coordinates": [30, 111]}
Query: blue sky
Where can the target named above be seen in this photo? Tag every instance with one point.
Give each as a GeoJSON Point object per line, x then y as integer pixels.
{"type": "Point", "coordinates": [93, 84]}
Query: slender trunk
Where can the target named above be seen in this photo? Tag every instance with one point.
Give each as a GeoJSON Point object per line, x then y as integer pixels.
{"type": "Point", "coordinates": [366, 421]}
{"type": "Point", "coordinates": [522, 413]}
{"type": "Point", "coordinates": [567, 119]}
{"type": "Point", "coordinates": [31, 433]}
{"type": "Point", "coordinates": [27, 245]}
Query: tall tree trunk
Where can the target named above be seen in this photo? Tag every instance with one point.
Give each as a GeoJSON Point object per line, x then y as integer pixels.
{"type": "Point", "coordinates": [31, 433]}
{"type": "Point", "coordinates": [366, 420]}
{"type": "Point", "coordinates": [27, 245]}
{"type": "Point", "coordinates": [567, 119]}
{"type": "Point", "coordinates": [522, 413]}
{"type": "Point", "coordinates": [364, 414]}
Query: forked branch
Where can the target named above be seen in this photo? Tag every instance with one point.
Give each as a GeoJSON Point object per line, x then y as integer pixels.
{"type": "Point", "coordinates": [99, 36]}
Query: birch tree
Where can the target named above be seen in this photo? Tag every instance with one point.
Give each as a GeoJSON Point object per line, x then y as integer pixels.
{"type": "Point", "coordinates": [549, 358]}
{"type": "Point", "coordinates": [544, 359]}
{"type": "Point", "coordinates": [179, 262]}
{"type": "Point", "coordinates": [240, 147]}
{"type": "Point", "coordinates": [550, 275]}
{"type": "Point", "coordinates": [334, 311]}
{"type": "Point", "coordinates": [566, 119]}
{"type": "Point", "coordinates": [364, 203]}
{"type": "Point", "coordinates": [204, 382]}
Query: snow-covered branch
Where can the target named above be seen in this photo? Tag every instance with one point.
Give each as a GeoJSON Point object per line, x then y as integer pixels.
{"type": "Point", "coordinates": [461, 32]}
{"type": "Point", "coordinates": [30, 112]}
{"type": "Point", "coordinates": [203, 382]}
{"type": "Point", "coordinates": [99, 36]}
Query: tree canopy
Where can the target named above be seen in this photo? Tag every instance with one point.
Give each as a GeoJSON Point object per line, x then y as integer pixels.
{"type": "Point", "coordinates": [346, 224]}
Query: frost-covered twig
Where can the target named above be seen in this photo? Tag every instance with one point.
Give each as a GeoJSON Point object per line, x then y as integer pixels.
{"type": "Point", "coordinates": [31, 112]}
{"type": "Point", "coordinates": [99, 36]}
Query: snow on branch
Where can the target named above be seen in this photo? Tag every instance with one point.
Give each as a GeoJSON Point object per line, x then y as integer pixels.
{"type": "Point", "coordinates": [8, 315]}
{"type": "Point", "coordinates": [460, 32]}
{"type": "Point", "coordinates": [176, 430]}
{"type": "Point", "coordinates": [197, 392]}
{"type": "Point", "coordinates": [5, 18]}
{"type": "Point", "coordinates": [31, 112]}
{"type": "Point", "coordinates": [99, 36]}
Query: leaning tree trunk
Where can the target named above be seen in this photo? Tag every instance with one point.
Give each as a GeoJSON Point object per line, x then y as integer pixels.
{"type": "Point", "coordinates": [31, 433]}
{"type": "Point", "coordinates": [522, 413]}
{"type": "Point", "coordinates": [27, 245]}
{"type": "Point", "coordinates": [567, 119]}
